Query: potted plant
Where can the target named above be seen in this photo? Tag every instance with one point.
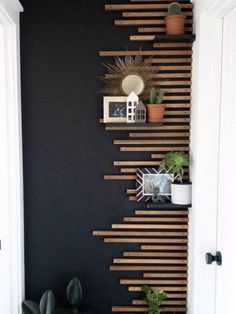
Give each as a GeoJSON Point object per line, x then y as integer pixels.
{"type": "Point", "coordinates": [154, 298]}
{"type": "Point", "coordinates": [174, 162]}
{"type": "Point", "coordinates": [156, 109]}
{"type": "Point", "coordinates": [175, 20]}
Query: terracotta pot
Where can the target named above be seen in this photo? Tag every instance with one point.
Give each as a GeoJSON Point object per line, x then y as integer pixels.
{"type": "Point", "coordinates": [155, 112]}
{"type": "Point", "coordinates": [175, 24]}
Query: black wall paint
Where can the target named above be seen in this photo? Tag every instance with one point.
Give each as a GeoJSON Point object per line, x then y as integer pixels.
{"type": "Point", "coordinates": [66, 151]}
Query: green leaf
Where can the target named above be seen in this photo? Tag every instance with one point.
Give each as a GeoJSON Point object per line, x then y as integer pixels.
{"type": "Point", "coordinates": [74, 292]}
{"type": "Point", "coordinates": [30, 307]}
{"type": "Point", "coordinates": [47, 303]}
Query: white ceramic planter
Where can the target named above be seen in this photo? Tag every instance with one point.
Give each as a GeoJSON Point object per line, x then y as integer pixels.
{"type": "Point", "coordinates": [181, 193]}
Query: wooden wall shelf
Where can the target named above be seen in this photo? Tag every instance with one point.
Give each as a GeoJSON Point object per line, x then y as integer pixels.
{"type": "Point", "coordinates": [175, 38]}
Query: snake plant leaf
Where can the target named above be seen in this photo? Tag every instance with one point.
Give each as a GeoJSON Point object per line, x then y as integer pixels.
{"type": "Point", "coordinates": [30, 307]}
{"type": "Point", "coordinates": [47, 303]}
{"type": "Point", "coordinates": [74, 292]}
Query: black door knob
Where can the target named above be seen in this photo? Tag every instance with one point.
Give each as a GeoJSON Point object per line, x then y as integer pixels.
{"type": "Point", "coordinates": [214, 258]}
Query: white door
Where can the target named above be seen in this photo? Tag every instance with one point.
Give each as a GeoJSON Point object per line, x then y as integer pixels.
{"type": "Point", "coordinates": [226, 235]}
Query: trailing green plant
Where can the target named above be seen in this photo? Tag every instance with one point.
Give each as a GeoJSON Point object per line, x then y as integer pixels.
{"type": "Point", "coordinates": [175, 162]}
{"type": "Point", "coordinates": [156, 96]}
{"type": "Point", "coordinates": [47, 303]}
{"type": "Point", "coordinates": [174, 8]}
{"type": "Point", "coordinates": [154, 298]}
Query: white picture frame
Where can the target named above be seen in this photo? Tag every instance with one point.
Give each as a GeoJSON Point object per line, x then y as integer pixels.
{"type": "Point", "coordinates": [115, 109]}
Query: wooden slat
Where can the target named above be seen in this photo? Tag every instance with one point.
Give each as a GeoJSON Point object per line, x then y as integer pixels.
{"type": "Point", "coordinates": [152, 149]}
{"type": "Point", "coordinates": [154, 219]}
{"type": "Point", "coordinates": [165, 275]}
{"type": "Point", "coordinates": [172, 45]}
{"type": "Point", "coordinates": [142, 37]}
{"type": "Point", "coordinates": [128, 7]}
{"type": "Point", "coordinates": [169, 60]}
{"type": "Point", "coordinates": [148, 261]}
{"type": "Point", "coordinates": [128, 170]}
{"type": "Point", "coordinates": [144, 240]}
{"type": "Point", "coordinates": [164, 234]}
{"type": "Point", "coordinates": [134, 289]}
{"type": "Point", "coordinates": [136, 163]}
{"type": "Point", "coordinates": [134, 22]}
{"type": "Point", "coordinates": [161, 275]}
{"type": "Point", "coordinates": [132, 309]}
{"type": "Point", "coordinates": [115, 53]}
{"type": "Point", "coordinates": [174, 68]}
{"type": "Point", "coordinates": [120, 177]}
{"type": "Point", "coordinates": [146, 128]}
{"type": "Point", "coordinates": [152, 282]}
{"type": "Point", "coordinates": [148, 268]}
{"type": "Point", "coordinates": [159, 30]}
{"type": "Point", "coordinates": [154, 254]}
{"type": "Point", "coordinates": [162, 212]}
{"type": "Point", "coordinates": [149, 142]}
{"type": "Point", "coordinates": [164, 247]}
{"type": "Point", "coordinates": [148, 226]}
{"type": "Point", "coordinates": [150, 14]}
{"type": "Point", "coordinates": [172, 83]}
{"type": "Point", "coordinates": [169, 134]}
{"type": "Point", "coordinates": [166, 302]}
{"type": "Point", "coordinates": [159, 76]}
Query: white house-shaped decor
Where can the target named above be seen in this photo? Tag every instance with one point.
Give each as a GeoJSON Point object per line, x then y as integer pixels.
{"type": "Point", "coordinates": [140, 113]}
{"type": "Point", "coordinates": [132, 102]}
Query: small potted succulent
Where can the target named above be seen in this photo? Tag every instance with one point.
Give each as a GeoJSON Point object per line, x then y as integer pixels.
{"type": "Point", "coordinates": [175, 21]}
{"type": "Point", "coordinates": [154, 298]}
{"type": "Point", "coordinates": [156, 109]}
{"type": "Point", "coordinates": [174, 162]}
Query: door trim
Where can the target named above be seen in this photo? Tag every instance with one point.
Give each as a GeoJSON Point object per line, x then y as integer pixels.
{"type": "Point", "coordinates": [11, 157]}
{"type": "Point", "coordinates": [206, 106]}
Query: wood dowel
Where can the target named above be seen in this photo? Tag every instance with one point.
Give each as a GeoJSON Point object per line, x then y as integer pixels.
{"type": "Point", "coordinates": [163, 234]}
{"type": "Point", "coordinates": [149, 261]}
{"type": "Point", "coordinates": [144, 240]}
{"type": "Point", "coordinates": [148, 268]}
{"type": "Point", "coordinates": [126, 7]}
{"type": "Point", "coordinates": [148, 226]}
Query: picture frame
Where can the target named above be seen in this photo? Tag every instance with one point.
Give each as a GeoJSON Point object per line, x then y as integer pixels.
{"type": "Point", "coordinates": [115, 109]}
{"type": "Point", "coordinates": [150, 178]}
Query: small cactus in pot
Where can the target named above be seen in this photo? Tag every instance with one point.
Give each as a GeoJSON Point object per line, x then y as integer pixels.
{"type": "Point", "coordinates": [175, 20]}
{"type": "Point", "coordinates": [155, 108]}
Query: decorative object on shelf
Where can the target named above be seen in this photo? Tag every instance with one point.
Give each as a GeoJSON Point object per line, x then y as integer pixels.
{"type": "Point", "coordinates": [181, 192]}
{"type": "Point", "coordinates": [175, 21]}
{"type": "Point", "coordinates": [140, 113]}
{"type": "Point", "coordinates": [148, 179]}
{"type": "Point", "coordinates": [156, 109]}
{"type": "Point", "coordinates": [154, 299]}
{"type": "Point", "coordinates": [114, 109]}
{"type": "Point", "coordinates": [132, 102]}
{"type": "Point", "coordinates": [47, 302]}
{"type": "Point", "coordinates": [128, 74]}
{"type": "Point", "coordinates": [157, 197]}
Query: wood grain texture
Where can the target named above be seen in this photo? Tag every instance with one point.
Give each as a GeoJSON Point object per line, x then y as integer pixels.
{"type": "Point", "coordinates": [148, 268]}
{"type": "Point", "coordinates": [136, 22]}
{"type": "Point", "coordinates": [145, 240]}
{"type": "Point", "coordinates": [150, 14]}
{"type": "Point", "coordinates": [153, 282]}
{"type": "Point", "coordinates": [158, 134]}
{"type": "Point", "coordinates": [146, 128]}
{"type": "Point", "coordinates": [154, 254]}
{"type": "Point", "coordinates": [165, 247]}
{"type": "Point", "coordinates": [155, 219]}
{"type": "Point", "coordinates": [149, 142]}
{"type": "Point", "coordinates": [130, 309]}
{"type": "Point", "coordinates": [162, 212]}
{"type": "Point", "coordinates": [153, 149]}
{"type": "Point", "coordinates": [122, 53]}
{"type": "Point", "coordinates": [165, 288]}
{"type": "Point", "coordinates": [153, 261]}
{"type": "Point", "coordinates": [166, 302]}
{"type": "Point", "coordinates": [149, 226]}
{"type": "Point", "coordinates": [126, 7]}
{"type": "Point", "coordinates": [162, 234]}
{"type": "Point", "coordinates": [165, 275]}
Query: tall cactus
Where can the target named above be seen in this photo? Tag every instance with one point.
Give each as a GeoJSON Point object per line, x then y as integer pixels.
{"type": "Point", "coordinates": [174, 8]}
{"type": "Point", "coordinates": [153, 96]}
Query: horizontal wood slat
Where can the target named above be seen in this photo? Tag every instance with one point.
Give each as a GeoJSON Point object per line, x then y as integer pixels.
{"type": "Point", "coordinates": [150, 14]}
{"type": "Point", "coordinates": [153, 149]}
{"type": "Point", "coordinates": [170, 134]}
{"type": "Point", "coordinates": [149, 142]}
{"type": "Point", "coordinates": [148, 261]}
{"type": "Point", "coordinates": [152, 282]}
{"type": "Point", "coordinates": [120, 177]}
{"type": "Point", "coordinates": [164, 234]}
{"type": "Point", "coordinates": [166, 302]}
{"type": "Point", "coordinates": [136, 163]}
{"type": "Point", "coordinates": [148, 226]}
{"type": "Point", "coordinates": [165, 275]}
{"type": "Point", "coordinates": [130, 309]}
{"type": "Point", "coordinates": [134, 22]}
{"type": "Point", "coordinates": [126, 7]}
{"type": "Point", "coordinates": [162, 212]}
{"type": "Point", "coordinates": [165, 247]}
{"type": "Point", "coordinates": [146, 128]}
{"type": "Point", "coordinates": [155, 219]}
{"type": "Point", "coordinates": [154, 254]}
{"type": "Point", "coordinates": [122, 53]}
{"type": "Point", "coordinates": [144, 240]}
{"type": "Point", "coordinates": [169, 60]}
{"type": "Point", "coordinates": [148, 268]}
{"type": "Point", "coordinates": [135, 289]}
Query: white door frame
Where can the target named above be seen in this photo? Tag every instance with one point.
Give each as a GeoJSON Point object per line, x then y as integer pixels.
{"type": "Point", "coordinates": [11, 180]}
{"type": "Point", "coordinates": [205, 125]}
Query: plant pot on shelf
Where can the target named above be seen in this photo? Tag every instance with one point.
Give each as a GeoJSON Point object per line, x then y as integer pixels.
{"type": "Point", "coordinates": [175, 24]}
{"type": "Point", "coordinates": [155, 112]}
{"type": "Point", "coordinates": [181, 193]}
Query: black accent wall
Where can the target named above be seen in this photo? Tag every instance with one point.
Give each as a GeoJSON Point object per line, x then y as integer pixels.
{"type": "Point", "coordinates": [67, 152]}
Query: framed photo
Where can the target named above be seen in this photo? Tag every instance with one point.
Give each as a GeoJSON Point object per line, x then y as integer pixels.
{"type": "Point", "coordinates": [114, 109]}
{"type": "Point", "coordinates": [150, 178]}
